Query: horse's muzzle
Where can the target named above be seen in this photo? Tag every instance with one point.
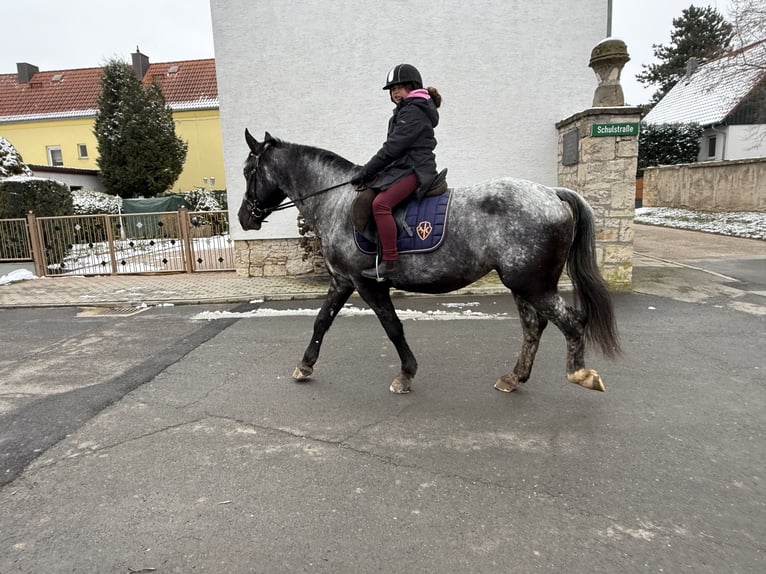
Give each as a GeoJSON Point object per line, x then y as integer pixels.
{"type": "Point", "coordinates": [250, 217]}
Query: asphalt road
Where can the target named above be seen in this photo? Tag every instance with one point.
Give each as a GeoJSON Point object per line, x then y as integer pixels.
{"type": "Point", "coordinates": [169, 442]}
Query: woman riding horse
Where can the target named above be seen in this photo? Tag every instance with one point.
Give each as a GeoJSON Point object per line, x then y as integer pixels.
{"type": "Point", "coordinates": [405, 163]}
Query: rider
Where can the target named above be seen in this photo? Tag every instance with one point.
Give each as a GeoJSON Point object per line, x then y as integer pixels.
{"type": "Point", "coordinates": [406, 163]}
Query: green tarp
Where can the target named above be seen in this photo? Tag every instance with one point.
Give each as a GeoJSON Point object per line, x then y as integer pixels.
{"type": "Point", "coordinates": [153, 204]}
{"type": "Point", "coordinates": [151, 226]}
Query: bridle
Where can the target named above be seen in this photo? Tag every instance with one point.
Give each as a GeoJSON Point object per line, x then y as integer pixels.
{"type": "Point", "coordinates": [261, 213]}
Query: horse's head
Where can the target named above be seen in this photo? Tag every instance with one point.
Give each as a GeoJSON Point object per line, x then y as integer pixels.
{"type": "Point", "coordinates": [262, 193]}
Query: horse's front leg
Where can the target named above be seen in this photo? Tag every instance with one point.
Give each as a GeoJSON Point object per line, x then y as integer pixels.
{"type": "Point", "coordinates": [337, 296]}
{"type": "Point", "coordinates": [532, 325]}
{"type": "Point", "coordinates": [379, 300]}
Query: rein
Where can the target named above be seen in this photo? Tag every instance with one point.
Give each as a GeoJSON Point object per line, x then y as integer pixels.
{"type": "Point", "coordinates": [290, 204]}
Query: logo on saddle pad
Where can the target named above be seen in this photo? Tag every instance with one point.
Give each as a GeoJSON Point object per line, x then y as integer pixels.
{"type": "Point", "coordinates": [424, 229]}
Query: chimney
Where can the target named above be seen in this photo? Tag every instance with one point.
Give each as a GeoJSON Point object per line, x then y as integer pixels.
{"type": "Point", "coordinates": [25, 72]}
{"type": "Point", "coordinates": [140, 63]}
{"type": "Point", "coordinates": [691, 67]}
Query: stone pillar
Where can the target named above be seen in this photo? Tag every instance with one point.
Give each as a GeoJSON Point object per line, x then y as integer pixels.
{"type": "Point", "coordinates": [598, 157]}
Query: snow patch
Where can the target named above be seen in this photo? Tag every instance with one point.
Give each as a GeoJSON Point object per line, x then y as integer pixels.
{"type": "Point", "coordinates": [351, 311]}
{"type": "Point", "coordinates": [17, 275]}
{"type": "Point", "coordinates": [747, 224]}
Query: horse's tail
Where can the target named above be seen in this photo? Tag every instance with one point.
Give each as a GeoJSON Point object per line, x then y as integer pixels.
{"type": "Point", "coordinates": [589, 286]}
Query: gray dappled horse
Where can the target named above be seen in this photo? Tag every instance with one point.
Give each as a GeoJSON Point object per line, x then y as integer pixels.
{"type": "Point", "coordinates": [526, 232]}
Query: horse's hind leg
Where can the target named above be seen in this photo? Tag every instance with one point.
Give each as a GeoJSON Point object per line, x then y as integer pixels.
{"type": "Point", "coordinates": [532, 325]}
{"type": "Point", "coordinates": [379, 300]}
{"type": "Point", "coordinates": [336, 297]}
{"type": "Point", "coordinates": [571, 322]}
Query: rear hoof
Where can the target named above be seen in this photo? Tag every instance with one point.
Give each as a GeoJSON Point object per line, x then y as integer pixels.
{"type": "Point", "coordinates": [302, 373]}
{"type": "Point", "coordinates": [587, 378]}
{"type": "Point", "coordinates": [507, 384]}
{"type": "Point", "coordinates": [400, 386]}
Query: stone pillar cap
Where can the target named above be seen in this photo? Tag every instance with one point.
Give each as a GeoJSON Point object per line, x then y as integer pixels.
{"type": "Point", "coordinates": [609, 49]}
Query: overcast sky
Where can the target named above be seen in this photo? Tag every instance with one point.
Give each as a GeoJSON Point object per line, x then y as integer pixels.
{"type": "Point", "coordinates": [85, 33]}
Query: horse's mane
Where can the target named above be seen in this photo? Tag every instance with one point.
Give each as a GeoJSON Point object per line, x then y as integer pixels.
{"type": "Point", "coordinates": [325, 157]}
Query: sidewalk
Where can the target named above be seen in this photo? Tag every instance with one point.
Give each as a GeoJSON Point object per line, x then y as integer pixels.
{"type": "Point", "coordinates": [180, 289]}
{"type": "Point", "coordinates": [654, 247]}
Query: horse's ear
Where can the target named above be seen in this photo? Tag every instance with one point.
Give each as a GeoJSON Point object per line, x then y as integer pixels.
{"type": "Point", "coordinates": [252, 143]}
{"type": "Point", "coordinates": [267, 138]}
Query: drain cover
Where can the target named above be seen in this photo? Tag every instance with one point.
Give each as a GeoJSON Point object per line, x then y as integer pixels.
{"type": "Point", "coordinates": [110, 311]}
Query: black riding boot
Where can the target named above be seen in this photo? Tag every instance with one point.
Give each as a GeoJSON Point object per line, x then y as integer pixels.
{"type": "Point", "coordinates": [385, 270]}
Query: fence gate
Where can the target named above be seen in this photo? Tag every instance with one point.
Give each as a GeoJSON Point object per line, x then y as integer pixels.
{"type": "Point", "coordinates": [15, 242]}
{"type": "Point", "coordinates": [135, 243]}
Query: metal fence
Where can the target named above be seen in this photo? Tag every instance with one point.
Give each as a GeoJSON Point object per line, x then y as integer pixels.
{"type": "Point", "coordinates": [136, 243]}
{"type": "Point", "coordinates": [15, 244]}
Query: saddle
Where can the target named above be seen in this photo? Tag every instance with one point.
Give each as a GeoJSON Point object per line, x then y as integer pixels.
{"type": "Point", "coordinates": [421, 221]}
{"type": "Point", "coordinates": [361, 208]}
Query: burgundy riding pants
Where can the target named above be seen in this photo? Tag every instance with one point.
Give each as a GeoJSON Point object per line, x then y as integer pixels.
{"type": "Point", "coordinates": [383, 205]}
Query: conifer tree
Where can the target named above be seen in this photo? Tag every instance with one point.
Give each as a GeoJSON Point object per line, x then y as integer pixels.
{"type": "Point", "coordinates": [139, 152]}
{"type": "Point", "coordinates": [701, 33]}
{"type": "Point", "coordinates": [11, 162]}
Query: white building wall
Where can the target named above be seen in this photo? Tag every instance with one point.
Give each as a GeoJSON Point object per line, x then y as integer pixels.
{"type": "Point", "coordinates": [746, 142]}
{"type": "Point", "coordinates": [311, 72]}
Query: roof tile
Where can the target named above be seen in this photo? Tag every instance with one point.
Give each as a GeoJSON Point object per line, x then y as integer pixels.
{"type": "Point", "coordinates": [187, 84]}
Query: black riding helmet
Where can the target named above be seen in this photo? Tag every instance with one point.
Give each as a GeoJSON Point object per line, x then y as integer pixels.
{"type": "Point", "coordinates": [403, 74]}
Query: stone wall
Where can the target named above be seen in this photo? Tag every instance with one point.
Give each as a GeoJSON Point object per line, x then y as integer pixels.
{"type": "Point", "coordinates": [603, 171]}
{"type": "Point", "coordinates": [711, 186]}
{"type": "Point", "coordinates": [273, 258]}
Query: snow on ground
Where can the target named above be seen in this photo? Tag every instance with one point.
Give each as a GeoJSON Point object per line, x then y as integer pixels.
{"type": "Point", "coordinates": [351, 311]}
{"type": "Point", "coordinates": [18, 275]}
{"type": "Point", "coordinates": [748, 224]}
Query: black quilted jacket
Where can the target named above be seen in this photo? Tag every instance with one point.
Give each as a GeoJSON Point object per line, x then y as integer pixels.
{"type": "Point", "coordinates": [409, 146]}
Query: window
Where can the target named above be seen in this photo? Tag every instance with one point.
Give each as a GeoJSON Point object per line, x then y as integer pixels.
{"type": "Point", "coordinates": [54, 155]}
{"type": "Point", "coordinates": [82, 151]}
{"type": "Point", "coordinates": [711, 146]}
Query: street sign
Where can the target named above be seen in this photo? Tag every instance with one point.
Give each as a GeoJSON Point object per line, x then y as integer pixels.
{"type": "Point", "coordinates": [612, 130]}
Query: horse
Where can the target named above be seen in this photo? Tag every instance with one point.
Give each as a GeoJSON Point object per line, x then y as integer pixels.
{"type": "Point", "coordinates": [526, 232]}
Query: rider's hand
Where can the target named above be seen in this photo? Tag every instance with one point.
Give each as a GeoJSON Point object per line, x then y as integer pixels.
{"type": "Point", "coordinates": [360, 178]}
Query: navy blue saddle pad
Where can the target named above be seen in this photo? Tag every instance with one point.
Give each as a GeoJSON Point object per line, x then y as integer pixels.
{"type": "Point", "coordinates": [422, 225]}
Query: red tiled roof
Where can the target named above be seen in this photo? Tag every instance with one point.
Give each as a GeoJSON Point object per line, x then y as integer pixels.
{"type": "Point", "coordinates": [188, 84]}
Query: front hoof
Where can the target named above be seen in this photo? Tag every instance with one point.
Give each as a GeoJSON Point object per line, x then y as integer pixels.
{"type": "Point", "coordinates": [587, 378]}
{"type": "Point", "coordinates": [507, 384]}
{"type": "Point", "coordinates": [400, 386]}
{"type": "Point", "coordinates": [302, 373]}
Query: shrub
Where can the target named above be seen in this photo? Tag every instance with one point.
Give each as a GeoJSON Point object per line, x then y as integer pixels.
{"type": "Point", "coordinates": [308, 241]}
{"type": "Point", "coordinates": [668, 144]}
{"type": "Point", "coordinates": [44, 197]}
{"type": "Point", "coordinates": [95, 203]}
{"type": "Point", "coordinates": [202, 200]}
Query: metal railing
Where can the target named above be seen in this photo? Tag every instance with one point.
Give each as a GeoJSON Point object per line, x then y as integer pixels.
{"type": "Point", "coordinates": [15, 242]}
{"type": "Point", "coordinates": [136, 243]}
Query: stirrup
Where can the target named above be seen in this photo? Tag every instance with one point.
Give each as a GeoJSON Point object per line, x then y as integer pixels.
{"type": "Point", "coordinates": [375, 272]}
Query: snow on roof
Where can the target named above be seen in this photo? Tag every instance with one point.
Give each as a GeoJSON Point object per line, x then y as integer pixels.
{"type": "Point", "coordinates": [714, 90]}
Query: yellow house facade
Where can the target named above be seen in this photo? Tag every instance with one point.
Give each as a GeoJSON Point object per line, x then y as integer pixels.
{"type": "Point", "coordinates": [49, 116]}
